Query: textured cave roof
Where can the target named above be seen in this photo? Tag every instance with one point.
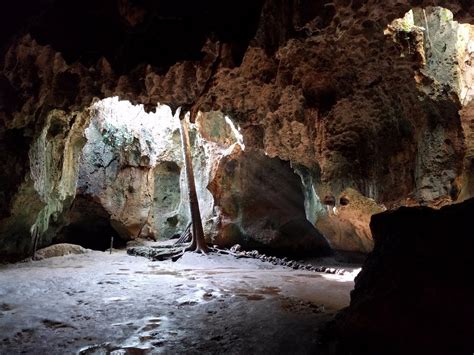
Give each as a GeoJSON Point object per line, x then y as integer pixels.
{"type": "Point", "coordinates": [169, 31]}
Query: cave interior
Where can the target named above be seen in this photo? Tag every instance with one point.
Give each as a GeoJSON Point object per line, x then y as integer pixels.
{"type": "Point", "coordinates": [320, 153]}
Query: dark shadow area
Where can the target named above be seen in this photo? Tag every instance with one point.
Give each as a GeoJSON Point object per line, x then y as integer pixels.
{"type": "Point", "coordinates": [131, 32]}
{"type": "Point", "coordinates": [89, 226]}
{"type": "Point", "coordinates": [416, 288]}
{"type": "Point", "coordinates": [14, 160]}
{"type": "Point", "coordinates": [264, 207]}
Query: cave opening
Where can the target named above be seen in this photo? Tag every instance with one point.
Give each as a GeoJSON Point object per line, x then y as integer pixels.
{"type": "Point", "coordinates": [89, 226]}
{"type": "Point", "coordinates": [443, 50]}
{"type": "Point", "coordinates": [131, 185]}
{"type": "Point", "coordinates": [444, 47]}
{"type": "Point", "coordinates": [130, 176]}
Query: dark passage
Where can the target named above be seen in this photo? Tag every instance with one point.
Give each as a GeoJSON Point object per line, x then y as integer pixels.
{"type": "Point", "coordinates": [89, 226]}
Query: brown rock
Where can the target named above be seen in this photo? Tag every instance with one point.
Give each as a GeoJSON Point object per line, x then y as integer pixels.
{"type": "Point", "coordinates": [346, 224]}
{"type": "Point", "coordinates": [262, 205]}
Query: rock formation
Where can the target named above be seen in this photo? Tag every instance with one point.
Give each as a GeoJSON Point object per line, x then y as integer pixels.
{"type": "Point", "coordinates": [345, 222]}
{"type": "Point", "coordinates": [337, 89]}
{"type": "Point", "coordinates": [130, 184]}
{"type": "Point", "coordinates": [262, 205]}
{"type": "Point", "coordinates": [132, 167]}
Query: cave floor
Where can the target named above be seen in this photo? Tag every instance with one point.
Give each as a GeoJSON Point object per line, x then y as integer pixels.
{"type": "Point", "coordinates": [99, 303]}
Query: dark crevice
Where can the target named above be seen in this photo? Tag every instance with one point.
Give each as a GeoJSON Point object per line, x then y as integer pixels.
{"type": "Point", "coordinates": [89, 226]}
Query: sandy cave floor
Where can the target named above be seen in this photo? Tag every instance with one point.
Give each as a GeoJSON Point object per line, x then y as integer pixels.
{"type": "Point", "coordinates": [99, 303]}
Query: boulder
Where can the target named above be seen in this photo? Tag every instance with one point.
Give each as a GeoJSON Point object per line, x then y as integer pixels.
{"type": "Point", "coordinates": [60, 250]}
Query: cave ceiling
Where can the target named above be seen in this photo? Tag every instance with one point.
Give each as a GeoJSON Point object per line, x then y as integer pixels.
{"type": "Point", "coordinates": [322, 85]}
{"type": "Point", "coordinates": [130, 33]}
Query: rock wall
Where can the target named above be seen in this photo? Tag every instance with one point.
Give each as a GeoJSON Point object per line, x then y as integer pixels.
{"type": "Point", "coordinates": [345, 221]}
{"type": "Point", "coordinates": [318, 84]}
{"type": "Point", "coordinates": [262, 205]}
{"type": "Point", "coordinates": [50, 186]}
{"type": "Point", "coordinates": [132, 166]}
{"type": "Point", "coordinates": [131, 184]}
{"type": "Point", "coordinates": [118, 162]}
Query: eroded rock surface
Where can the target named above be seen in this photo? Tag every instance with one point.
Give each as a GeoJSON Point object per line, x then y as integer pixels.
{"type": "Point", "coordinates": [48, 187]}
{"type": "Point", "coordinates": [345, 221]}
{"type": "Point", "coordinates": [132, 168]}
{"type": "Point", "coordinates": [318, 84]}
{"type": "Point", "coordinates": [262, 205]}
